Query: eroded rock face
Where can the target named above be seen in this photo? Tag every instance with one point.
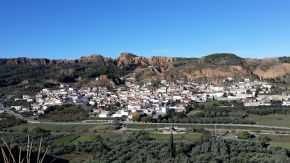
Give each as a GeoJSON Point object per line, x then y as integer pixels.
{"type": "Point", "coordinates": [130, 61]}
{"type": "Point", "coordinates": [94, 58]}
{"type": "Point", "coordinates": [166, 67]}
{"type": "Point", "coordinates": [103, 80]}
{"type": "Point", "coordinates": [213, 74]}
{"type": "Point", "coordinates": [274, 71]}
{"type": "Point", "coordinates": [125, 61]}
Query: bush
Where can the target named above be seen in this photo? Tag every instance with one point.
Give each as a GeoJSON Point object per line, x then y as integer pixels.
{"type": "Point", "coordinates": [245, 135]}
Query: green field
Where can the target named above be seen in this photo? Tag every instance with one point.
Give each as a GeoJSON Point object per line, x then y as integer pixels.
{"type": "Point", "coordinates": [84, 138]}
{"type": "Point", "coordinates": [272, 120]}
{"type": "Point", "coordinates": [280, 144]}
{"type": "Point", "coordinates": [66, 139]}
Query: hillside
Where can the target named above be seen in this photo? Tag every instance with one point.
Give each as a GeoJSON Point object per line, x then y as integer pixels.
{"type": "Point", "coordinates": [28, 72]}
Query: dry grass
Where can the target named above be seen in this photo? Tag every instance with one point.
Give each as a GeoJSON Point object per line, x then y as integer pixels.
{"type": "Point", "coordinates": [9, 157]}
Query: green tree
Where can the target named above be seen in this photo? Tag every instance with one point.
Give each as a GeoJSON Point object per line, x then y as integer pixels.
{"type": "Point", "coordinates": [38, 130]}
{"type": "Point", "coordinates": [245, 135]}
{"type": "Point", "coordinates": [257, 91]}
{"type": "Point", "coordinates": [264, 140]}
{"type": "Point", "coordinates": [146, 119]}
{"type": "Point", "coordinates": [24, 130]}
{"type": "Point", "coordinates": [172, 150]}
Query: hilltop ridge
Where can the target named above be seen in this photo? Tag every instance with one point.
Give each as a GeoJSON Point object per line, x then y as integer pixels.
{"type": "Point", "coordinates": [210, 68]}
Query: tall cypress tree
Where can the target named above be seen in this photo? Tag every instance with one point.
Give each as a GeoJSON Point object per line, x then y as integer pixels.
{"type": "Point", "coordinates": [172, 146]}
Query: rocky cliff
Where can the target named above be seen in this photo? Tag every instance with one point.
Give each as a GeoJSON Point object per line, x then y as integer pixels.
{"type": "Point", "coordinates": [208, 68]}
{"type": "Point", "coordinates": [44, 61]}
{"type": "Point", "coordinates": [130, 61]}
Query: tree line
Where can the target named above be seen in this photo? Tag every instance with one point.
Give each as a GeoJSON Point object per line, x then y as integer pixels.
{"type": "Point", "coordinates": [139, 147]}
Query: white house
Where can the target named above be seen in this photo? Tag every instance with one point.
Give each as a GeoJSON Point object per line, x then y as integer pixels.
{"type": "Point", "coordinates": [17, 108]}
{"type": "Point", "coordinates": [286, 103]}
{"type": "Point", "coordinates": [104, 114]}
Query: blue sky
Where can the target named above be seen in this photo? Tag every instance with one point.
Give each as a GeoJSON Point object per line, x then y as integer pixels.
{"type": "Point", "coordinates": [184, 28]}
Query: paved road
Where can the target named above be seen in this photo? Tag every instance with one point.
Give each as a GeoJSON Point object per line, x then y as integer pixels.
{"type": "Point", "coordinates": [206, 124]}
{"type": "Point", "coordinates": [70, 123]}
{"type": "Point", "coordinates": [174, 124]}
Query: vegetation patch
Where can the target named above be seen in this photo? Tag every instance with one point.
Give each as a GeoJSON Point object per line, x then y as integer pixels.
{"type": "Point", "coordinates": [185, 136]}
{"type": "Point", "coordinates": [65, 113]}
{"type": "Point", "coordinates": [65, 139]}
{"type": "Point", "coordinates": [280, 144]}
{"type": "Point", "coordinates": [9, 121]}
{"type": "Point", "coordinates": [84, 138]}
{"type": "Point", "coordinates": [223, 59]}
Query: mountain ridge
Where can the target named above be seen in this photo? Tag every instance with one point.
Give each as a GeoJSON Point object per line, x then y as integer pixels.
{"type": "Point", "coordinates": [210, 68]}
{"type": "Point", "coordinates": [93, 57]}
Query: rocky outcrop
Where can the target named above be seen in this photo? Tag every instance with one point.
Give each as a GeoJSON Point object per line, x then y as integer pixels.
{"type": "Point", "coordinates": [211, 67]}
{"type": "Point", "coordinates": [130, 61]}
{"type": "Point", "coordinates": [44, 61]}
{"type": "Point", "coordinates": [103, 80]}
{"type": "Point", "coordinates": [212, 74]}
{"type": "Point", "coordinates": [36, 61]}
{"type": "Point", "coordinates": [274, 71]}
{"type": "Point", "coordinates": [94, 58]}
{"type": "Point", "coordinates": [126, 61]}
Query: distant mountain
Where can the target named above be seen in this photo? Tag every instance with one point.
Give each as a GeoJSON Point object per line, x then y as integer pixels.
{"type": "Point", "coordinates": [83, 71]}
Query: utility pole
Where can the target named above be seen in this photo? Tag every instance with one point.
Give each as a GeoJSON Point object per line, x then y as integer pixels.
{"type": "Point", "coordinates": [214, 130]}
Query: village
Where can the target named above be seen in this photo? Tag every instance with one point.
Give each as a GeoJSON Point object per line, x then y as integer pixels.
{"type": "Point", "coordinates": [149, 99]}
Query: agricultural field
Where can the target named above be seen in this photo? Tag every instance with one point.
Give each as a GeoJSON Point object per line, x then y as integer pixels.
{"type": "Point", "coordinates": [74, 139]}
{"type": "Point", "coordinates": [65, 139]}
{"type": "Point", "coordinates": [101, 128]}
{"type": "Point", "coordinates": [280, 144]}
{"type": "Point", "coordinates": [84, 138]}
{"type": "Point", "coordinates": [271, 120]}
{"type": "Point", "coordinates": [280, 141]}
